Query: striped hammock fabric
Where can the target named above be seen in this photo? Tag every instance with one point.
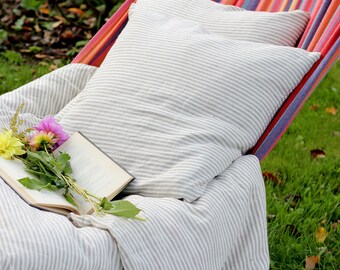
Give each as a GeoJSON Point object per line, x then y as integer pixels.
{"type": "Point", "coordinates": [322, 34]}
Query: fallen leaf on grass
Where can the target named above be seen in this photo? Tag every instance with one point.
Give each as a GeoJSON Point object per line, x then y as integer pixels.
{"type": "Point", "coordinates": [271, 177]}
{"type": "Point", "coordinates": [56, 24]}
{"type": "Point", "coordinates": [317, 153]}
{"type": "Point", "coordinates": [41, 56]}
{"type": "Point", "coordinates": [321, 234]}
{"type": "Point", "coordinates": [59, 18]}
{"type": "Point", "coordinates": [294, 199]}
{"type": "Point", "coordinates": [44, 10]}
{"type": "Point", "coordinates": [331, 110]}
{"type": "Point", "coordinates": [314, 107]}
{"type": "Point", "coordinates": [312, 262]}
{"type": "Point", "coordinates": [335, 225]}
{"type": "Point", "coordinates": [336, 133]}
{"type": "Point", "coordinates": [67, 34]}
{"type": "Point", "coordinates": [270, 217]}
{"type": "Point", "coordinates": [76, 11]}
{"type": "Point", "coordinates": [52, 67]}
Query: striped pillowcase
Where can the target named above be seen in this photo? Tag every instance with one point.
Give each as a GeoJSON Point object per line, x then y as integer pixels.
{"type": "Point", "coordinates": [175, 105]}
{"type": "Point", "coordinates": [280, 28]}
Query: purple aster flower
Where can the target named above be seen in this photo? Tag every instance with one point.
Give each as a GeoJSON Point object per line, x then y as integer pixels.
{"type": "Point", "coordinates": [50, 125]}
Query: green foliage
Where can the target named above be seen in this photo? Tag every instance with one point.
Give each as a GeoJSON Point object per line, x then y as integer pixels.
{"type": "Point", "coordinates": [123, 209]}
{"type": "Point", "coordinates": [12, 57]}
{"type": "Point", "coordinates": [3, 35]}
{"type": "Point", "coordinates": [32, 4]}
{"type": "Point", "coordinates": [35, 49]}
{"type": "Point", "coordinates": [16, 73]}
{"type": "Point", "coordinates": [52, 26]}
{"type": "Point", "coordinates": [19, 23]}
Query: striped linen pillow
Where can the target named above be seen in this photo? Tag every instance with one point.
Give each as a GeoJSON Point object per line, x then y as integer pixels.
{"type": "Point", "coordinates": [280, 28]}
{"type": "Point", "coordinates": [175, 105]}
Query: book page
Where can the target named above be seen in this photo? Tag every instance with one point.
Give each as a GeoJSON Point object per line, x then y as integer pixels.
{"type": "Point", "coordinates": [13, 170]}
{"type": "Point", "coordinates": [93, 170]}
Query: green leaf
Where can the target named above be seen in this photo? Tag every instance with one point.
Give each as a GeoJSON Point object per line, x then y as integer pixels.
{"type": "Point", "coordinates": [63, 163]}
{"type": "Point", "coordinates": [51, 187]}
{"type": "Point", "coordinates": [123, 209]}
{"type": "Point", "coordinates": [19, 23]}
{"type": "Point", "coordinates": [31, 183]}
{"type": "Point", "coordinates": [41, 156]}
{"type": "Point", "coordinates": [3, 35]}
{"type": "Point", "coordinates": [105, 204]}
{"type": "Point", "coordinates": [32, 4]}
{"type": "Point", "coordinates": [35, 49]}
{"type": "Point", "coordinates": [69, 197]}
{"type": "Point", "coordinates": [48, 25]}
{"type": "Point", "coordinates": [81, 43]}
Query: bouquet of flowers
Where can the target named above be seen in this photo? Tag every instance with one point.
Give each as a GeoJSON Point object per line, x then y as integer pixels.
{"type": "Point", "coordinates": [34, 148]}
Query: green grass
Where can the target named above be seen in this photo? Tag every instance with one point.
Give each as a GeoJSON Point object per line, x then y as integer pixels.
{"type": "Point", "coordinates": [315, 183]}
{"type": "Point", "coordinates": [16, 71]}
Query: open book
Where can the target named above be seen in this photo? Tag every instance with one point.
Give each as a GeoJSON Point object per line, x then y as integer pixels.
{"type": "Point", "coordinates": [93, 170]}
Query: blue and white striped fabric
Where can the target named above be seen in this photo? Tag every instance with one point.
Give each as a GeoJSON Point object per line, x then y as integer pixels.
{"type": "Point", "coordinates": [224, 229]}
{"type": "Point", "coordinates": [279, 28]}
{"type": "Point", "coordinates": [46, 95]}
{"type": "Point", "coordinates": [31, 239]}
{"type": "Point", "coordinates": [175, 105]}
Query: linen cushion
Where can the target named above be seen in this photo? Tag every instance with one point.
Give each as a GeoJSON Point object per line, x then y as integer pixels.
{"type": "Point", "coordinates": [175, 105]}
{"type": "Point", "coordinates": [280, 28]}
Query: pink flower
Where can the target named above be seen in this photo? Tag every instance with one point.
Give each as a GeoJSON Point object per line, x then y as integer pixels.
{"type": "Point", "coordinates": [41, 139]}
{"type": "Point", "coordinates": [50, 125]}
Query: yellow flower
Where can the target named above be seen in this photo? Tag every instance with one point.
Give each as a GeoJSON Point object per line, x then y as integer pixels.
{"type": "Point", "coordinates": [10, 145]}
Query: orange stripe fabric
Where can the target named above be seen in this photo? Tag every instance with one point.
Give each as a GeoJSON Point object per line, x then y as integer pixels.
{"type": "Point", "coordinates": [264, 5]}
{"type": "Point", "coordinates": [87, 55]}
{"type": "Point", "coordinates": [332, 27]}
{"type": "Point", "coordinates": [329, 14]}
{"type": "Point", "coordinates": [228, 2]}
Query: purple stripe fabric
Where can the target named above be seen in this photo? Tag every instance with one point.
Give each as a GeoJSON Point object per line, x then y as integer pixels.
{"type": "Point", "coordinates": [293, 108]}
{"type": "Point", "coordinates": [109, 43]}
{"type": "Point", "coordinates": [288, 5]}
{"type": "Point", "coordinates": [250, 4]}
{"type": "Point", "coordinates": [316, 24]}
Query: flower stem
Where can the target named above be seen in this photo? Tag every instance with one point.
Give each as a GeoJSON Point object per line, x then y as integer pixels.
{"type": "Point", "coordinates": [75, 187]}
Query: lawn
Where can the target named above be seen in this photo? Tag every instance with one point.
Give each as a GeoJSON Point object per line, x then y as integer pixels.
{"type": "Point", "coordinates": [302, 190]}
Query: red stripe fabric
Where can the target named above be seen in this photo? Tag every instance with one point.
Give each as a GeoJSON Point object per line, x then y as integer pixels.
{"type": "Point", "coordinates": [333, 25]}
{"type": "Point", "coordinates": [239, 3]}
{"type": "Point", "coordinates": [276, 5]}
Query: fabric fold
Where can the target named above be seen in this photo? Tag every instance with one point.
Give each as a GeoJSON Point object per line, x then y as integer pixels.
{"type": "Point", "coordinates": [224, 229]}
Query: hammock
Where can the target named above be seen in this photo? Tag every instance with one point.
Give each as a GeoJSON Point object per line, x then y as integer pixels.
{"type": "Point", "coordinates": [322, 34]}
